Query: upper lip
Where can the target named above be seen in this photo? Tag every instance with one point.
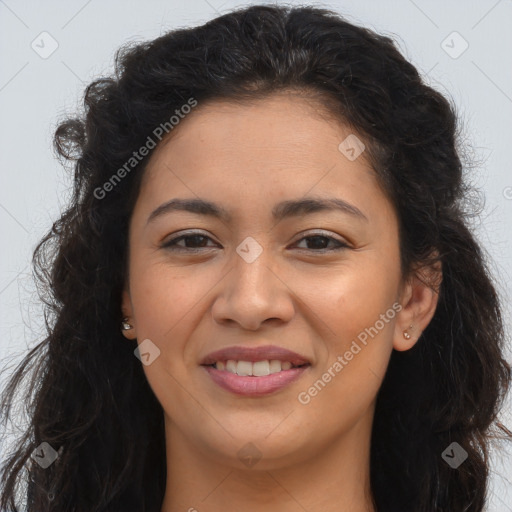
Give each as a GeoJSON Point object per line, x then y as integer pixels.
{"type": "Point", "coordinates": [252, 354]}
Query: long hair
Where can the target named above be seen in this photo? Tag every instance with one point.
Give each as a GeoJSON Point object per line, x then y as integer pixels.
{"type": "Point", "coordinates": [87, 395]}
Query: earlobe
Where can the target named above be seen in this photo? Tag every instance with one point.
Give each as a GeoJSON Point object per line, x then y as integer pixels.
{"type": "Point", "coordinates": [128, 329]}
{"type": "Point", "coordinates": [405, 338]}
{"type": "Point", "coordinates": [127, 324]}
{"type": "Point", "coordinates": [419, 301]}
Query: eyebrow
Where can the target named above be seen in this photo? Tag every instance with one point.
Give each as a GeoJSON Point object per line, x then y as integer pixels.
{"type": "Point", "coordinates": [282, 210]}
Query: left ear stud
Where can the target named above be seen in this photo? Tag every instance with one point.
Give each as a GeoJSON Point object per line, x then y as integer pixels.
{"type": "Point", "coordinates": [407, 336]}
{"type": "Point", "coordinates": [125, 325]}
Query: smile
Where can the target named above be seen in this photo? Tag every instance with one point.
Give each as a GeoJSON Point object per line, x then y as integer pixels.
{"type": "Point", "coordinates": [253, 385]}
{"type": "Point", "coordinates": [254, 370]}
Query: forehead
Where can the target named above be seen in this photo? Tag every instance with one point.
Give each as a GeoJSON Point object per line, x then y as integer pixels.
{"type": "Point", "coordinates": [280, 147]}
{"type": "Point", "coordinates": [285, 130]}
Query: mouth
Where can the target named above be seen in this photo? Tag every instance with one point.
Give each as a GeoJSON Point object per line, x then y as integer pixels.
{"type": "Point", "coordinates": [254, 371]}
{"type": "Point", "coordinates": [256, 368]}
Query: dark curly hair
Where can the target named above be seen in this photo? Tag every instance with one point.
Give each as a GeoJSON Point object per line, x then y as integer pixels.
{"type": "Point", "coordinates": [88, 396]}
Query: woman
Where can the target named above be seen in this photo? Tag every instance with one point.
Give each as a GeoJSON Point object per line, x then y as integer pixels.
{"type": "Point", "coordinates": [263, 295]}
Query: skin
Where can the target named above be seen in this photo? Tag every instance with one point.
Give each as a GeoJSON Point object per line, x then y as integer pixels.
{"type": "Point", "coordinates": [248, 157]}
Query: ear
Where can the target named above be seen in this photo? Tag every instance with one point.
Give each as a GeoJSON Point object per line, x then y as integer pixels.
{"type": "Point", "coordinates": [419, 298]}
{"type": "Point", "coordinates": [127, 309]}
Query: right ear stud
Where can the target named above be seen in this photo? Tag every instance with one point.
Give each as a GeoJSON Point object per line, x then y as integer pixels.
{"type": "Point", "coordinates": [125, 325]}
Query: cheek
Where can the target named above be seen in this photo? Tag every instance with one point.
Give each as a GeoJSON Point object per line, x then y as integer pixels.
{"type": "Point", "coordinates": [350, 298]}
{"type": "Point", "coordinates": [363, 299]}
{"type": "Point", "coordinates": [357, 305]}
{"type": "Point", "coordinates": [162, 298]}
{"type": "Point", "coordinates": [165, 308]}
{"type": "Point", "coordinates": [166, 305]}
{"type": "Point", "coordinates": [357, 318]}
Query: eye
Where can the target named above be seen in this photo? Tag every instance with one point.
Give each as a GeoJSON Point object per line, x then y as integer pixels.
{"type": "Point", "coordinates": [319, 242]}
{"type": "Point", "coordinates": [196, 240]}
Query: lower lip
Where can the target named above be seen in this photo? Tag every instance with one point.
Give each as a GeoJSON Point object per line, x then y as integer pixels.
{"type": "Point", "coordinates": [254, 386]}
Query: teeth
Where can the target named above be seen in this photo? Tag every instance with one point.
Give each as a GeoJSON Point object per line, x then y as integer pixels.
{"type": "Point", "coordinates": [256, 369]}
{"type": "Point", "coordinates": [275, 366]}
{"type": "Point", "coordinates": [244, 368]}
{"type": "Point", "coordinates": [260, 368]}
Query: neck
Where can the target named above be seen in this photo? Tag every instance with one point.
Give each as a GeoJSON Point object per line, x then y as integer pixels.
{"type": "Point", "coordinates": [335, 479]}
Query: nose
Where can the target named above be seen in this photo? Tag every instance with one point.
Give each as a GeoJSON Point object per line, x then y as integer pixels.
{"type": "Point", "coordinates": [253, 293]}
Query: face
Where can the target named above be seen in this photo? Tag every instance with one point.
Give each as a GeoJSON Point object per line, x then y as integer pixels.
{"type": "Point", "coordinates": [264, 277]}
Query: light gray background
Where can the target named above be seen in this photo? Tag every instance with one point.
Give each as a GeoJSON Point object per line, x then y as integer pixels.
{"type": "Point", "coordinates": [36, 92]}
